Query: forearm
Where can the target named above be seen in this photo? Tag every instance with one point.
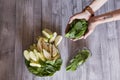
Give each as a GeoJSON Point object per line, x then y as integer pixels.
{"type": "Point", "coordinates": [107, 17]}
{"type": "Point", "coordinates": [96, 4]}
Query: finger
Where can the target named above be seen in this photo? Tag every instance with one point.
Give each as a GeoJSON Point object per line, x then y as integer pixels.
{"type": "Point", "coordinates": [87, 34]}
{"type": "Point", "coordinates": [78, 39]}
{"type": "Point", "coordinates": [71, 19]}
{"type": "Point", "coordinates": [81, 37]}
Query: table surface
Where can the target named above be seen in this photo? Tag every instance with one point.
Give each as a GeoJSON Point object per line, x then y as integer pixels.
{"type": "Point", "coordinates": [21, 21]}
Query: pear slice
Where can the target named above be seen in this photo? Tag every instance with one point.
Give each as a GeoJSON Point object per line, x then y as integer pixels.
{"type": "Point", "coordinates": [46, 54]}
{"type": "Point", "coordinates": [39, 46]}
{"type": "Point", "coordinates": [47, 33]}
{"type": "Point", "coordinates": [36, 54]}
{"type": "Point", "coordinates": [56, 57]}
{"type": "Point", "coordinates": [26, 55]}
{"type": "Point", "coordinates": [35, 65]}
{"type": "Point", "coordinates": [55, 51]}
{"type": "Point", "coordinates": [41, 56]}
{"type": "Point", "coordinates": [53, 37]}
{"type": "Point", "coordinates": [58, 39]}
{"type": "Point", "coordinates": [45, 45]}
{"type": "Point", "coordinates": [33, 56]}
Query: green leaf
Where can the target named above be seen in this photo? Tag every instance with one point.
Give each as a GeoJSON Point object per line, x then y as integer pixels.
{"type": "Point", "coordinates": [79, 59]}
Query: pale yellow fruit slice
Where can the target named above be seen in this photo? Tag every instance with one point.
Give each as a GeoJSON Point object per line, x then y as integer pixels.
{"type": "Point", "coordinates": [45, 45]}
{"type": "Point", "coordinates": [50, 49]}
{"type": "Point", "coordinates": [46, 54]}
{"type": "Point", "coordinates": [55, 51]}
{"type": "Point", "coordinates": [47, 33]}
{"type": "Point", "coordinates": [33, 56]}
{"type": "Point", "coordinates": [35, 65]}
{"type": "Point", "coordinates": [39, 44]}
{"type": "Point", "coordinates": [58, 39]}
{"type": "Point", "coordinates": [26, 55]}
{"type": "Point", "coordinates": [56, 57]}
{"type": "Point", "coordinates": [36, 54]}
{"type": "Point", "coordinates": [41, 56]}
{"type": "Point", "coordinates": [53, 37]}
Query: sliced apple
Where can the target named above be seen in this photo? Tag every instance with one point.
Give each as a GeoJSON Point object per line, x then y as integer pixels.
{"type": "Point", "coordinates": [26, 55]}
{"type": "Point", "coordinates": [39, 46]}
{"type": "Point", "coordinates": [36, 54]}
{"type": "Point", "coordinates": [45, 45]}
{"type": "Point", "coordinates": [33, 56]}
{"type": "Point", "coordinates": [41, 56]}
{"type": "Point", "coordinates": [35, 65]}
{"type": "Point", "coordinates": [58, 39]}
{"type": "Point", "coordinates": [47, 33]}
{"type": "Point", "coordinates": [55, 51]}
{"type": "Point", "coordinates": [46, 54]}
{"type": "Point", "coordinates": [53, 37]}
{"type": "Point", "coordinates": [56, 57]}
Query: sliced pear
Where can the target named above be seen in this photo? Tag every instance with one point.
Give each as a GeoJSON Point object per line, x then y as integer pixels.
{"type": "Point", "coordinates": [41, 56]}
{"type": "Point", "coordinates": [39, 44]}
{"type": "Point", "coordinates": [53, 37]}
{"type": "Point", "coordinates": [26, 55]}
{"type": "Point", "coordinates": [35, 65]}
{"type": "Point", "coordinates": [46, 54]}
{"type": "Point", "coordinates": [45, 45]}
{"type": "Point", "coordinates": [56, 57]}
{"type": "Point", "coordinates": [47, 33]}
{"type": "Point", "coordinates": [50, 49]}
{"type": "Point", "coordinates": [45, 39]}
{"type": "Point", "coordinates": [36, 54]}
{"type": "Point", "coordinates": [33, 56]}
{"type": "Point", "coordinates": [58, 39]}
{"type": "Point", "coordinates": [55, 51]}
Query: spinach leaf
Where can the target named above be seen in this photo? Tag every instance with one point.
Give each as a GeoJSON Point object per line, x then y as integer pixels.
{"type": "Point", "coordinates": [77, 28]}
{"type": "Point", "coordinates": [48, 68]}
{"type": "Point", "coordinates": [79, 59]}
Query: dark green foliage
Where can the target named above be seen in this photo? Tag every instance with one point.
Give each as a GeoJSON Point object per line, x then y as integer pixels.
{"type": "Point", "coordinates": [79, 59]}
{"type": "Point", "coordinates": [77, 29]}
{"type": "Point", "coordinates": [48, 68]}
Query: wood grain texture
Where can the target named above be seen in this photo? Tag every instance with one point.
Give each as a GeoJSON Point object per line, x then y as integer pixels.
{"type": "Point", "coordinates": [21, 21]}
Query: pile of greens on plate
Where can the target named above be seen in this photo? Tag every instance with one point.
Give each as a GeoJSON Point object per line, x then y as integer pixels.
{"type": "Point", "coordinates": [77, 28]}
{"type": "Point", "coordinates": [79, 59]}
{"type": "Point", "coordinates": [43, 58]}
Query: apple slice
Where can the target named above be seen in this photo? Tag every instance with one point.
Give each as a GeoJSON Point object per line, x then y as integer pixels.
{"type": "Point", "coordinates": [58, 39]}
{"type": "Point", "coordinates": [33, 56]}
{"type": "Point", "coordinates": [47, 33]}
{"type": "Point", "coordinates": [53, 37]}
{"type": "Point", "coordinates": [55, 51]}
{"type": "Point", "coordinates": [35, 65]}
{"type": "Point", "coordinates": [46, 54]}
{"type": "Point", "coordinates": [26, 55]}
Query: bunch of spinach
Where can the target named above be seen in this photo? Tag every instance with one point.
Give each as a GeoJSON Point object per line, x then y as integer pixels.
{"type": "Point", "coordinates": [77, 28]}
{"type": "Point", "coordinates": [79, 59]}
{"type": "Point", "coordinates": [48, 68]}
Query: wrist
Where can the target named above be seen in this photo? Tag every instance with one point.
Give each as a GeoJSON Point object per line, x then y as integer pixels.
{"type": "Point", "coordinates": [89, 11]}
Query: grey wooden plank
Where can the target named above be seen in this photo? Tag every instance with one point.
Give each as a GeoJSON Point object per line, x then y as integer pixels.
{"type": "Point", "coordinates": [28, 35]}
{"type": "Point", "coordinates": [7, 38]}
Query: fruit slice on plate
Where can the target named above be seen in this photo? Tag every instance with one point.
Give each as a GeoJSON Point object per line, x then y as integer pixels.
{"type": "Point", "coordinates": [53, 37]}
{"type": "Point", "coordinates": [58, 39]}
{"type": "Point", "coordinates": [32, 56]}
{"type": "Point", "coordinates": [35, 65]}
{"type": "Point", "coordinates": [46, 54]}
{"type": "Point", "coordinates": [55, 51]}
{"type": "Point", "coordinates": [47, 33]}
{"type": "Point", "coordinates": [26, 55]}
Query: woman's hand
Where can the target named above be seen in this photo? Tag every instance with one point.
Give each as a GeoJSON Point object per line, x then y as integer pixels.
{"type": "Point", "coordinates": [91, 28]}
{"type": "Point", "coordinates": [92, 23]}
{"type": "Point", "coordinates": [83, 15]}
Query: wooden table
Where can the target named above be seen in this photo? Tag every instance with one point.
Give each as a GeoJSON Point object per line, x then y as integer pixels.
{"type": "Point", "coordinates": [21, 21]}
